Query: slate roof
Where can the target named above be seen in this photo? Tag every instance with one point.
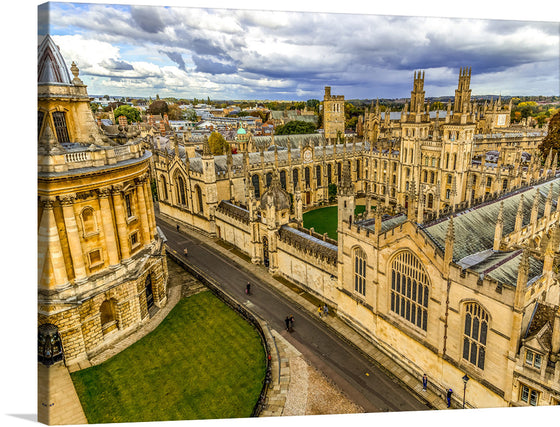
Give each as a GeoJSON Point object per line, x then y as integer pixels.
{"type": "Point", "coordinates": [387, 222]}
{"type": "Point", "coordinates": [474, 233]}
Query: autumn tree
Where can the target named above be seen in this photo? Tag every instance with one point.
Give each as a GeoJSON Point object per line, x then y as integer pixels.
{"type": "Point", "coordinates": [132, 114]}
{"type": "Point", "coordinates": [158, 107]}
{"type": "Point", "coordinates": [218, 144]}
{"type": "Point", "coordinates": [175, 113]}
{"type": "Point", "coordinates": [552, 138]}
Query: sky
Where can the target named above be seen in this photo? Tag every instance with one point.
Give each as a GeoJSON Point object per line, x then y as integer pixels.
{"type": "Point", "coordinates": [188, 52]}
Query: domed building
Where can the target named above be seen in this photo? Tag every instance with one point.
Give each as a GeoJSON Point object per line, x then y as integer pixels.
{"type": "Point", "coordinates": [101, 262]}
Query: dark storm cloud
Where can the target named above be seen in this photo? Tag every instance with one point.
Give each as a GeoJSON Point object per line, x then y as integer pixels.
{"type": "Point", "coordinates": [147, 18]}
{"type": "Point", "coordinates": [204, 65]}
{"type": "Point", "coordinates": [114, 65]}
{"type": "Point", "coordinates": [176, 58]}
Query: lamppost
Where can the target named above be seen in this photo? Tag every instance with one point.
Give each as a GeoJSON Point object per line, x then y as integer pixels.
{"type": "Point", "coordinates": [465, 380]}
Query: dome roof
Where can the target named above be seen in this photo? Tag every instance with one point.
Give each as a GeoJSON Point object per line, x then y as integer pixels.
{"type": "Point", "coordinates": [51, 67]}
{"type": "Point", "coordinates": [241, 131]}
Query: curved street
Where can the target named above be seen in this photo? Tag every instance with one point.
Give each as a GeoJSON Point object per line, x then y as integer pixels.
{"type": "Point", "coordinates": [362, 381]}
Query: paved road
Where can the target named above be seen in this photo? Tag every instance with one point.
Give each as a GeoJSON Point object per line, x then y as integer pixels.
{"type": "Point", "coordinates": [348, 368]}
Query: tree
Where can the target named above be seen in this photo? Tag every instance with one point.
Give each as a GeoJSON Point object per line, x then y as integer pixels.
{"type": "Point", "coordinates": [295, 127]}
{"type": "Point", "coordinates": [217, 143]}
{"type": "Point", "coordinates": [332, 192]}
{"type": "Point", "coordinates": [552, 138]}
{"type": "Point", "coordinates": [191, 116]}
{"type": "Point", "coordinates": [94, 107]}
{"type": "Point", "coordinates": [175, 113]}
{"type": "Point", "coordinates": [313, 104]}
{"type": "Point", "coordinates": [132, 114]}
{"type": "Point", "coordinates": [158, 107]}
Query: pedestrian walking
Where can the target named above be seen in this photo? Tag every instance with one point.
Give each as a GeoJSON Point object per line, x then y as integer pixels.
{"type": "Point", "coordinates": [424, 382]}
{"type": "Point", "coordinates": [185, 251]}
{"type": "Point", "coordinates": [320, 311]}
{"type": "Point", "coordinates": [291, 322]}
{"type": "Point", "coordinates": [248, 289]}
{"type": "Point", "coordinates": [325, 310]}
{"type": "Point", "coordinates": [449, 393]}
{"type": "Point", "coordinates": [287, 321]}
{"type": "Point", "coordinates": [177, 227]}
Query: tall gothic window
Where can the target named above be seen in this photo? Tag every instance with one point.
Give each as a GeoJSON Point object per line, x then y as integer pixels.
{"type": "Point", "coordinates": [410, 289]}
{"type": "Point", "coordinates": [474, 339]}
{"type": "Point", "coordinates": [283, 179]}
{"type": "Point", "coordinates": [59, 119]}
{"type": "Point", "coordinates": [268, 179]}
{"type": "Point", "coordinates": [181, 199]}
{"type": "Point", "coordinates": [307, 177]}
{"type": "Point", "coordinates": [256, 185]}
{"type": "Point", "coordinates": [360, 271]}
{"type": "Point", "coordinates": [164, 188]}
{"type": "Point", "coordinates": [329, 173]}
{"type": "Point", "coordinates": [295, 178]}
{"type": "Point", "coordinates": [339, 171]}
{"type": "Point", "coordinates": [198, 192]}
{"type": "Point", "coordinates": [318, 175]}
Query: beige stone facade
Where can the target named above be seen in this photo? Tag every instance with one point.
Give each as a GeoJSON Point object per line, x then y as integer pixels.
{"type": "Point", "coordinates": [453, 268]}
{"type": "Point", "coordinates": [101, 263]}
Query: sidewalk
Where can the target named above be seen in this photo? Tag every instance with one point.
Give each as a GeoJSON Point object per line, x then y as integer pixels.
{"type": "Point", "coordinates": [344, 331]}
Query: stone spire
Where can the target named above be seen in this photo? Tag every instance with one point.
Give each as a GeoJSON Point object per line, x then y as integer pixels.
{"type": "Point", "coordinates": [522, 278]}
{"type": "Point", "coordinates": [535, 209]}
{"type": "Point", "coordinates": [548, 203]}
{"type": "Point", "coordinates": [499, 228]}
{"type": "Point", "coordinates": [449, 242]}
{"type": "Point", "coordinates": [519, 216]}
{"type": "Point", "coordinates": [346, 186]}
{"type": "Point", "coordinates": [551, 249]}
{"type": "Point", "coordinates": [206, 148]}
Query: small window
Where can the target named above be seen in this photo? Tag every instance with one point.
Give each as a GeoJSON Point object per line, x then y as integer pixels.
{"type": "Point", "coordinates": [134, 239]}
{"type": "Point", "coordinates": [529, 396]}
{"type": "Point", "coordinates": [40, 118]}
{"type": "Point", "coordinates": [94, 258]}
{"type": "Point", "coordinates": [88, 221]}
{"type": "Point", "coordinates": [128, 202]}
{"type": "Point", "coordinates": [533, 359]}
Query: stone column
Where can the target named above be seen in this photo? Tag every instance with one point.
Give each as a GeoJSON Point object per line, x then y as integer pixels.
{"type": "Point", "coordinates": [50, 249]}
{"type": "Point", "coordinates": [150, 208]}
{"type": "Point", "coordinates": [74, 242]}
{"type": "Point", "coordinates": [144, 224]}
{"type": "Point", "coordinates": [122, 229]}
{"type": "Point", "coordinates": [107, 220]}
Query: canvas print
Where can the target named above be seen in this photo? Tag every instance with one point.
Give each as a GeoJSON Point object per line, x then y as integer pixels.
{"type": "Point", "coordinates": [246, 213]}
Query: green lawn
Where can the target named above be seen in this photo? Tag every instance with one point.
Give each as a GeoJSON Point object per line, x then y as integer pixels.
{"type": "Point", "coordinates": [203, 361]}
{"type": "Point", "coordinates": [325, 220]}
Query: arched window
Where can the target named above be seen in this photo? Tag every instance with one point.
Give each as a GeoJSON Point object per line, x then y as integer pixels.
{"type": "Point", "coordinates": [329, 173]}
{"type": "Point", "coordinates": [88, 221]}
{"type": "Point", "coordinates": [256, 185]}
{"type": "Point", "coordinates": [474, 338]}
{"type": "Point", "coordinates": [357, 168]}
{"type": "Point", "coordinates": [430, 201]}
{"type": "Point", "coordinates": [307, 177]}
{"type": "Point", "coordinates": [425, 176]}
{"type": "Point", "coordinates": [268, 179]}
{"type": "Point", "coordinates": [295, 178]}
{"type": "Point", "coordinates": [164, 188]}
{"type": "Point", "coordinates": [198, 192]}
{"type": "Point", "coordinates": [339, 171]}
{"type": "Point", "coordinates": [318, 175]}
{"type": "Point", "coordinates": [283, 179]}
{"type": "Point", "coordinates": [410, 289]}
{"type": "Point", "coordinates": [181, 197]}
{"type": "Point", "coordinates": [359, 271]}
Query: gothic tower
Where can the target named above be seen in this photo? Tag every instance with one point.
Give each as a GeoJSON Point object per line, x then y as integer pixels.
{"type": "Point", "coordinates": [333, 114]}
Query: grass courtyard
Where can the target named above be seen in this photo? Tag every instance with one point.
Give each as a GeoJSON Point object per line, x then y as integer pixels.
{"type": "Point", "coordinates": [325, 220]}
{"type": "Point", "coordinates": [203, 361]}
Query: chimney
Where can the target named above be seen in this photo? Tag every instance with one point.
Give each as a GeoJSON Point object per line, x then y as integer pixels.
{"type": "Point", "coordinates": [123, 121]}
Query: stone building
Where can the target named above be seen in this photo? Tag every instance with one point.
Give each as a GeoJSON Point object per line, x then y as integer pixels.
{"type": "Point", "coordinates": [452, 269]}
{"type": "Point", "coordinates": [101, 261]}
{"type": "Point", "coordinates": [333, 114]}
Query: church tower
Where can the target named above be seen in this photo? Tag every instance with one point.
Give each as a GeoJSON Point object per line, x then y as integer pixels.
{"type": "Point", "coordinates": [333, 114]}
{"type": "Point", "coordinates": [463, 92]}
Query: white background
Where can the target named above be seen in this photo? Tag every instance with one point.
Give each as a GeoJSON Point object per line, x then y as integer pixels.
{"type": "Point", "coordinates": [19, 219]}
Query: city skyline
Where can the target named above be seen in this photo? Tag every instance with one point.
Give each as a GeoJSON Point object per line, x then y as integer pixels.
{"type": "Point", "coordinates": [182, 52]}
